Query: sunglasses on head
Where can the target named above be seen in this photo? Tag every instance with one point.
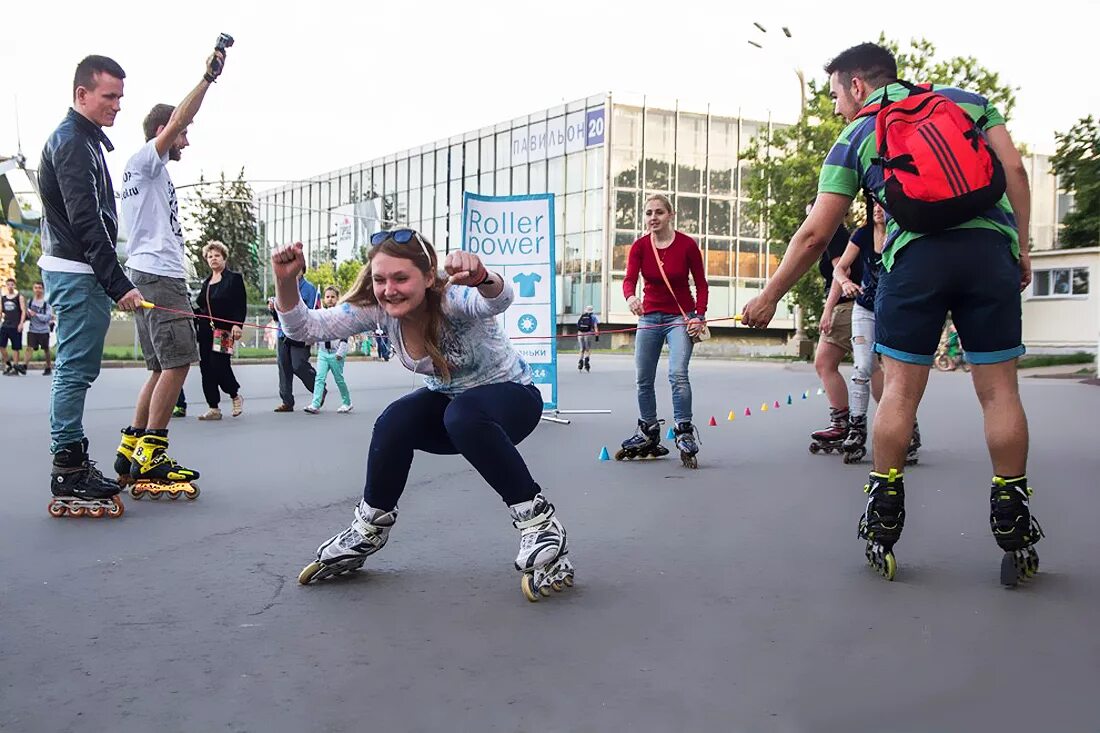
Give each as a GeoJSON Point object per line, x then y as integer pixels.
{"type": "Point", "coordinates": [401, 236]}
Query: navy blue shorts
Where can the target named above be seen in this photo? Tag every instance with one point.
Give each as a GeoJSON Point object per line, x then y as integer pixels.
{"type": "Point", "coordinates": [969, 273]}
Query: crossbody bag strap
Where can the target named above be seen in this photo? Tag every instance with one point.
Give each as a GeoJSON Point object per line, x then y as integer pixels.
{"type": "Point", "coordinates": [661, 267]}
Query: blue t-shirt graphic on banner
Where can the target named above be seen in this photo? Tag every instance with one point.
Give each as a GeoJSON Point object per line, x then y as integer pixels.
{"type": "Point", "coordinates": [527, 283]}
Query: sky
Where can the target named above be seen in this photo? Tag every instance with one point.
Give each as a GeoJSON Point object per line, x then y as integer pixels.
{"type": "Point", "coordinates": [312, 87]}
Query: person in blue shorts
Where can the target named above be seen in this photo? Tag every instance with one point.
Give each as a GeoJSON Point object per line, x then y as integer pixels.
{"type": "Point", "coordinates": [974, 269]}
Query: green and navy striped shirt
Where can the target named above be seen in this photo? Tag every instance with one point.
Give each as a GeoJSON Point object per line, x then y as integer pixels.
{"type": "Point", "coordinates": [848, 170]}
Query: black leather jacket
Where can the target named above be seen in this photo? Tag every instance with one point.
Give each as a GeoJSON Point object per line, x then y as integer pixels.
{"type": "Point", "coordinates": [80, 222]}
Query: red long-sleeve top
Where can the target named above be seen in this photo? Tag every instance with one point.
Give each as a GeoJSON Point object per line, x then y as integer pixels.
{"type": "Point", "coordinates": [679, 258]}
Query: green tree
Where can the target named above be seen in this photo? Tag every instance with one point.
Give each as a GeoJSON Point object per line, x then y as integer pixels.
{"type": "Point", "coordinates": [29, 248]}
{"type": "Point", "coordinates": [786, 161]}
{"type": "Point", "coordinates": [224, 211]}
{"type": "Point", "coordinates": [342, 275]}
{"type": "Point", "coordinates": [1077, 161]}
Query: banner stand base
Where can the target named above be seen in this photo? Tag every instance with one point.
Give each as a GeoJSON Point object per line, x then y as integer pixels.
{"type": "Point", "coordinates": [553, 415]}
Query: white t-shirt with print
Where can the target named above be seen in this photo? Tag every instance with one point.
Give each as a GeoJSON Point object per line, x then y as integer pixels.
{"type": "Point", "coordinates": [150, 209]}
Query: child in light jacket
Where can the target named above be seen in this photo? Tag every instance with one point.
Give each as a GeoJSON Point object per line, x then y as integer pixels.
{"type": "Point", "coordinates": [330, 358]}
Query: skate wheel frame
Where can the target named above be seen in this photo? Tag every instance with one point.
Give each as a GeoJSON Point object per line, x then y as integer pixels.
{"type": "Point", "coordinates": [173, 490]}
{"type": "Point", "coordinates": [554, 578]}
{"type": "Point", "coordinates": [94, 509]}
{"type": "Point", "coordinates": [1019, 565]}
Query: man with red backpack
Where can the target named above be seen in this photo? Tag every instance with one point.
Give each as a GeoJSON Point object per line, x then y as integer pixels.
{"type": "Point", "coordinates": [955, 191]}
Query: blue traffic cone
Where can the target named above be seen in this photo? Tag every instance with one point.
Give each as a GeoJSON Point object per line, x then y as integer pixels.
{"type": "Point", "coordinates": [789, 400]}
{"type": "Point", "coordinates": [604, 456]}
{"type": "Point", "coordinates": [671, 434]}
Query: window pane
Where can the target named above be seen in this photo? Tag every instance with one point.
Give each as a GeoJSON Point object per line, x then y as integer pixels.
{"type": "Point", "coordinates": [574, 172]}
{"type": "Point", "coordinates": [428, 168]}
{"type": "Point", "coordinates": [574, 212]}
{"type": "Point", "coordinates": [718, 217]}
{"type": "Point", "coordinates": [626, 210]}
{"type": "Point", "coordinates": [718, 256]}
{"type": "Point", "coordinates": [456, 163]}
{"type": "Point", "coordinates": [1041, 285]}
{"type": "Point", "coordinates": [488, 148]}
{"type": "Point", "coordinates": [624, 168]}
{"type": "Point", "coordinates": [519, 180]}
{"type": "Point", "coordinates": [688, 214]}
{"type": "Point", "coordinates": [414, 172]}
{"type": "Point", "coordinates": [623, 241]}
{"type": "Point", "coordinates": [470, 157]}
{"type": "Point", "coordinates": [503, 180]}
{"type": "Point", "coordinates": [594, 168]}
{"type": "Point", "coordinates": [593, 210]}
{"type": "Point", "coordinates": [537, 182]}
{"type": "Point", "coordinates": [1061, 282]}
{"type": "Point", "coordinates": [1081, 281]}
{"type": "Point", "coordinates": [470, 184]}
{"type": "Point", "coordinates": [555, 169]}
{"type": "Point", "coordinates": [658, 174]}
{"type": "Point", "coordinates": [441, 160]}
{"type": "Point", "coordinates": [504, 150]}
{"type": "Point", "coordinates": [748, 259]}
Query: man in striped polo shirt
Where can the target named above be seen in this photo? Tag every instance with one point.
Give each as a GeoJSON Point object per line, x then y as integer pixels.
{"type": "Point", "coordinates": [974, 270]}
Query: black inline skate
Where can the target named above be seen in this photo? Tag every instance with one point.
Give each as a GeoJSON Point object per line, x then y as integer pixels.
{"type": "Point", "coordinates": [882, 522]}
{"type": "Point", "coordinates": [831, 438]}
{"type": "Point", "coordinates": [645, 443]}
{"type": "Point", "coordinates": [1015, 530]}
{"type": "Point", "coordinates": [912, 454]}
{"type": "Point", "coordinates": [687, 441]}
{"type": "Point", "coordinates": [855, 445]}
{"type": "Point", "coordinates": [79, 488]}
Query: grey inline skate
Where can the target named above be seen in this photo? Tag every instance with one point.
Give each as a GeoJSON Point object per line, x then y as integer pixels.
{"type": "Point", "coordinates": [347, 551]}
{"type": "Point", "coordinates": [855, 445]}
{"type": "Point", "coordinates": [543, 549]}
{"type": "Point", "coordinates": [687, 441]}
{"type": "Point", "coordinates": [645, 443]}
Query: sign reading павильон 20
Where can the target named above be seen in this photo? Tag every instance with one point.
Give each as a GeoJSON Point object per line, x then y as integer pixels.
{"type": "Point", "coordinates": [514, 236]}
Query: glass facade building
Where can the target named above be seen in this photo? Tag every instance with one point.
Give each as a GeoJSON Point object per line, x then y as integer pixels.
{"type": "Point", "coordinates": [599, 156]}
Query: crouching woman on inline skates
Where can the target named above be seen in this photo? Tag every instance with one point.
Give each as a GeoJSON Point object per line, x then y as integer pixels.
{"type": "Point", "coordinates": [666, 313]}
{"type": "Point", "coordinates": [478, 400]}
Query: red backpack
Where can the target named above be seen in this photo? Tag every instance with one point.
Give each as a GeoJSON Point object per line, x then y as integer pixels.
{"type": "Point", "coordinates": [938, 168]}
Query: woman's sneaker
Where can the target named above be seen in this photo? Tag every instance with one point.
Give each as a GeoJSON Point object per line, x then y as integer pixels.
{"type": "Point", "coordinates": [212, 414]}
{"type": "Point", "coordinates": [344, 409]}
{"type": "Point", "coordinates": [238, 405]}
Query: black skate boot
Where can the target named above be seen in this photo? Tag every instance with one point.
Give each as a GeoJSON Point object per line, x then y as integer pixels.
{"type": "Point", "coordinates": [645, 443]}
{"type": "Point", "coordinates": [855, 445]}
{"type": "Point", "coordinates": [124, 456]}
{"type": "Point", "coordinates": [687, 441]}
{"type": "Point", "coordinates": [580, 364]}
{"type": "Point", "coordinates": [78, 486]}
{"type": "Point", "coordinates": [912, 455]}
{"type": "Point", "coordinates": [831, 438]}
{"type": "Point", "coordinates": [882, 522]}
{"type": "Point", "coordinates": [1015, 530]}
{"type": "Point", "coordinates": [9, 370]}
{"type": "Point", "coordinates": [542, 549]}
{"type": "Point", "coordinates": [587, 364]}
{"type": "Point", "coordinates": [154, 473]}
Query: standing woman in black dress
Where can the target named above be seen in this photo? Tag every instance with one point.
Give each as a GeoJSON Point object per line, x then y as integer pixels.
{"type": "Point", "coordinates": [222, 296]}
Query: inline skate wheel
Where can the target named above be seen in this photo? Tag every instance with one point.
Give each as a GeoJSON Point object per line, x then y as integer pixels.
{"type": "Point", "coordinates": [889, 566]}
{"type": "Point", "coordinates": [95, 512]}
{"type": "Point", "coordinates": [174, 494]}
{"type": "Point", "coordinates": [309, 572]}
{"type": "Point", "coordinates": [527, 585]}
{"type": "Point", "coordinates": [815, 448]}
{"type": "Point", "coordinates": [1010, 575]}
{"type": "Point", "coordinates": [136, 491]}
{"type": "Point", "coordinates": [116, 509]}
{"type": "Point", "coordinates": [689, 461]}
{"type": "Point", "coordinates": [193, 494]}
{"type": "Point", "coordinates": [621, 454]}
{"type": "Point", "coordinates": [57, 509]}
{"type": "Point", "coordinates": [154, 495]}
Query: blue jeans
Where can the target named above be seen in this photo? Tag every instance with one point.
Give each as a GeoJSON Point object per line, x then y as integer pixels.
{"type": "Point", "coordinates": [654, 329]}
{"type": "Point", "coordinates": [484, 424]}
{"type": "Point", "coordinates": [83, 311]}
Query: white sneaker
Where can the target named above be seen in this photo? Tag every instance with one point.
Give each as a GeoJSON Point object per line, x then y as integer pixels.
{"type": "Point", "coordinates": [312, 410]}
{"type": "Point", "coordinates": [212, 414]}
{"type": "Point", "coordinates": [343, 409]}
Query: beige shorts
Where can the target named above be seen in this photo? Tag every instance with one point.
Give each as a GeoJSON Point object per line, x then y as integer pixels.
{"type": "Point", "coordinates": [841, 333]}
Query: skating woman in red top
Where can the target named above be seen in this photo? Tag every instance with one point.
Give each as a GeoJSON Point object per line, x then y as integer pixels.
{"type": "Point", "coordinates": [667, 313]}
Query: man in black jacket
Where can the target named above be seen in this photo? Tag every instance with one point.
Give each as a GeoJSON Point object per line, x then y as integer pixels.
{"type": "Point", "coordinates": [80, 267]}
